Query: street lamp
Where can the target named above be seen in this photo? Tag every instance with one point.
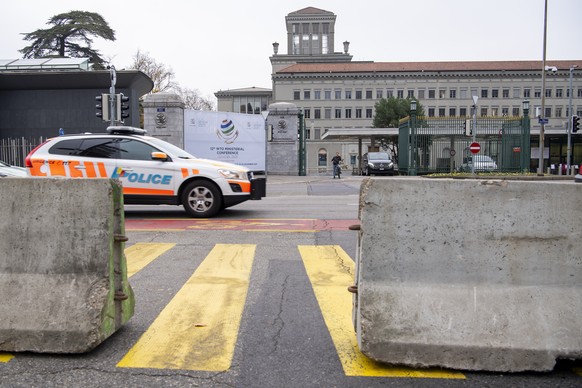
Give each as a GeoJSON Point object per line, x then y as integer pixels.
{"type": "Point", "coordinates": [570, 122]}
{"type": "Point", "coordinates": [475, 99]}
{"type": "Point", "coordinates": [525, 138]}
{"type": "Point", "coordinates": [413, 135]}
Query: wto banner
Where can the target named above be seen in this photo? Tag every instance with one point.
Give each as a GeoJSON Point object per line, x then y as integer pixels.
{"type": "Point", "coordinates": [227, 137]}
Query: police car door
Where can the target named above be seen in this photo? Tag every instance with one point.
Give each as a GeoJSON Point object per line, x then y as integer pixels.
{"type": "Point", "coordinates": [144, 178]}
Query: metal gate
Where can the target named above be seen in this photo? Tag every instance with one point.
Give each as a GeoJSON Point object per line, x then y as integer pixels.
{"type": "Point", "coordinates": [441, 144]}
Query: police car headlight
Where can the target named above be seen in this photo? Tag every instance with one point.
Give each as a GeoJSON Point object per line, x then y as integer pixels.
{"type": "Point", "coordinates": [231, 174]}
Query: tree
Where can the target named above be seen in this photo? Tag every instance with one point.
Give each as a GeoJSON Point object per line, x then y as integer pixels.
{"type": "Point", "coordinates": [162, 76]}
{"type": "Point", "coordinates": [71, 35]}
{"type": "Point", "coordinates": [164, 81]}
{"type": "Point", "coordinates": [388, 112]}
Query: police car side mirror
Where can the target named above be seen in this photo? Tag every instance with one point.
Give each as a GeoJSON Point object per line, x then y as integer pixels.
{"type": "Point", "coordinates": [159, 156]}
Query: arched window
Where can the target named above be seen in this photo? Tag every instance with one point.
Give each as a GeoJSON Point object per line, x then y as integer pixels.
{"type": "Point", "coordinates": [322, 157]}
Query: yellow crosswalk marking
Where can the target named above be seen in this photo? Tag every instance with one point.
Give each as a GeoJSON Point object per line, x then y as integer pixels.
{"type": "Point", "coordinates": [5, 357]}
{"type": "Point", "coordinates": [331, 271]}
{"type": "Point", "coordinates": [141, 254]}
{"type": "Point", "coordinates": [198, 329]}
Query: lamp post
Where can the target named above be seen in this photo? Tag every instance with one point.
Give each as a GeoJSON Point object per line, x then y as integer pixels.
{"type": "Point", "coordinates": [414, 149]}
{"type": "Point", "coordinates": [265, 115]}
{"type": "Point", "coordinates": [301, 120]}
{"type": "Point", "coordinates": [570, 113]}
{"type": "Point", "coordinates": [475, 99]}
{"type": "Point", "coordinates": [525, 138]}
{"type": "Point", "coordinates": [543, 113]}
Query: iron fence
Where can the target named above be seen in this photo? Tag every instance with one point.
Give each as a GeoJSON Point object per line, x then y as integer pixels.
{"type": "Point", "coordinates": [14, 150]}
{"type": "Point", "coordinates": [442, 144]}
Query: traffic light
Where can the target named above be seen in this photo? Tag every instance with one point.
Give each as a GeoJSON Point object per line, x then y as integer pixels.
{"type": "Point", "coordinates": [102, 106]}
{"type": "Point", "coordinates": [467, 128]}
{"type": "Point", "coordinates": [575, 123]}
{"type": "Point", "coordinates": [122, 107]}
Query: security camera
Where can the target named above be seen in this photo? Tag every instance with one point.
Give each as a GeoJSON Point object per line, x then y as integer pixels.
{"type": "Point", "coordinates": [553, 69]}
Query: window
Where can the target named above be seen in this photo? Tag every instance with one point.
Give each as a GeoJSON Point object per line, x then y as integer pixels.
{"type": "Point", "coordinates": [369, 94]}
{"type": "Point", "coordinates": [135, 150]}
{"type": "Point", "coordinates": [484, 93]}
{"type": "Point", "coordinates": [463, 94]}
{"type": "Point", "coordinates": [348, 113]}
{"type": "Point", "coordinates": [452, 111]}
{"type": "Point", "coordinates": [379, 93]}
{"type": "Point", "coordinates": [494, 93]}
{"type": "Point", "coordinates": [504, 112]}
{"type": "Point", "coordinates": [559, 93]}
{"type": "Point", "coordinates": [558, 111]}
{"type": "Point", "coordinates": [322, 158]}
{"type": "Point", "coordinates": [516, 92]}
{"type": "Point", "coordinates": [579, 92]}
{"type": "Point", "coordinates": [400, 93]}
{"type": "Point", "coordinates": [411, 94]}
{"type": "Point", "coordinates": [463, 112]}
{"type": "Point", "coordinates": [442, 93]}
{"type": "Point", "coordinates": [430, 112]}
{"type": "Point", "coordinates": [317, 133]}
{"type": "Point", "coordinates": [317, 94]}
{"type": "Point", "coordinates": [548, 92]}
{"type": "Point", "coordinates": [358, 113]}
{"type": "Point", "coordinates": [296, 95]}
{"type": "Point", "coordinates": [338, 94]}
{"type": "Point", "coordinates": [441, 112]}
{"type": "Point", "coordinates": [526, 93]}
{"type": "Point", "coordinates": [317, 113]}
{"type": "Point", "coordinates": [515, 111]}
{"type": "Point", "coordinates": [548, 112]}
{"type": "Point", "coordinates": [369, 113]}
{"type": "Point", "coordinates": [338, 113]}
{"type": "Point", "coordinates": [453, 93]}
{"type": "Point", "coordinates": [348, 94]}
{"type": "Point", "coordinates": [97, 148]}
{"type": "Point", "coordinates": [327, 94]}
{"type": "Point", "coordinates": [421, 94]}
{"type": "Point", "coordinates": [389, 93]}
{"type": "Point", "coordinates": [358, 94]}
{"type": "Point", "coordinates": [327, 113]}
{"type": "Point", "coordinates": [431, 93]}
{"type": "Point", "coordinates": [505, 93]}
{"type": "Point", "coordinates": [307, 94]}
{"type": "Point", "coordinates": [537, 93]}
{"type": "Point", "coordinates": [307, 113]}
{"type": "Point", "coordinates": [483, 112]}
{"type": "Point", "coordinates": [494, 111]}
{"type": "Point", "coordinates": [307, 133]}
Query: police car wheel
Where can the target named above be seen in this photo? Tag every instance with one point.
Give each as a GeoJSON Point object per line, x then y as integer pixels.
{"type": "Point", "coordinates": [201, 199]}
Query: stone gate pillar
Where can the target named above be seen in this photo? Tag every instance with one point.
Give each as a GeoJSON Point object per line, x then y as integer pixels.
{"type": "Point", "coordinates": [283, 147]}
{"type": "Point", "coordinates": [163, 117]}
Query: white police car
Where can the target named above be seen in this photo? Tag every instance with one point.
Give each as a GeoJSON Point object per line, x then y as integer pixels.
{"type": "Point", "coordinates": [151, 170]}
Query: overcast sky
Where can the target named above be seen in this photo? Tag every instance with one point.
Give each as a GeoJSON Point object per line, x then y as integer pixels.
{"type": "Point", "coordinates": [225, 44]}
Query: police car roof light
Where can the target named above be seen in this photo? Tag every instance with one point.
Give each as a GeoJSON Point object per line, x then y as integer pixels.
{"type": "Point", "coordinates": [126, 130]}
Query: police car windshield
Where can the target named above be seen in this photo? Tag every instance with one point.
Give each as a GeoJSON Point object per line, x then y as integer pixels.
{"type": "Point", "coordinates": [172, 149]}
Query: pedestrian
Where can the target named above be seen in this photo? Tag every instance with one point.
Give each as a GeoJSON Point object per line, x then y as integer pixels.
{"type": "Point", "coordinates": [336, 160]}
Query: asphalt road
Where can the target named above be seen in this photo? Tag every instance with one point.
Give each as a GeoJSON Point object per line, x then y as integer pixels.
{"type": "Point", "coordinates": [280, 336]}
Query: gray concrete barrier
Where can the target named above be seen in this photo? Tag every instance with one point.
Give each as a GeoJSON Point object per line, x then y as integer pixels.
{"type": "Point", "coordinates": [63, 276]}
{"type": "Point", "coordinates": [470, 274]}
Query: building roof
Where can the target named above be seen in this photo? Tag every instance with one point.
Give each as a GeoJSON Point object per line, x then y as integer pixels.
{"type": "Point", "coordinates": [243, 91]}
{"type": "Point", "coordinates": [375, 67]}
{"type": "Point", "coordinates": [310, 11]}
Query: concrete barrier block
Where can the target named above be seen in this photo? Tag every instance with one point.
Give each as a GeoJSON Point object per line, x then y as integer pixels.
{"type": "Point", "coordinates": [470, 274]}
{"type": "Point", "coordinates": [63, 276]}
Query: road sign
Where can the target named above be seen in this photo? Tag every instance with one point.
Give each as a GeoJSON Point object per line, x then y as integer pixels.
{"type": "Point", "coordinates": [542, 121]}
{"type": "Point", "coordinates": [475, 148]}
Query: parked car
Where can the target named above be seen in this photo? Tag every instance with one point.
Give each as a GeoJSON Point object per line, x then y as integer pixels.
{"type": "Point", "coordinates": [9, 170]}
{"type": "Point", "coordinates": [483, 163]}
{"type": "Point", "coordinates": [151, 170]}
{"type": "Point", "coordinates": [377, 163]}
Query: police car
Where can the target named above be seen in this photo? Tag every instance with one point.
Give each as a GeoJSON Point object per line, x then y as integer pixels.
{"type": "Point", "coordinates": [151, 170]}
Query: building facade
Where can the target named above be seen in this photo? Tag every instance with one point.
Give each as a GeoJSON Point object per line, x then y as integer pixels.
{"type": "Point", "coordinates": [335, 92]}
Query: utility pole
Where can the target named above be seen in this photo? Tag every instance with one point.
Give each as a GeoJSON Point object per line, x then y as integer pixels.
{"type": "Point", "coordinates": [112, 96]}
{"type": "Point", "coordinates": [543, 112]}
{"type": "Point", "coordinates": [570, 115]}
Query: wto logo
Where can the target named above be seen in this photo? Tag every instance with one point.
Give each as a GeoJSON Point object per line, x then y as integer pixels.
{"type": "Point", "coordinates": [227, 132]}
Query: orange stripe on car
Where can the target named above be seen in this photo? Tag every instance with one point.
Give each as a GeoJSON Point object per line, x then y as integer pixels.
{"type": "Point", "coordinates": [136, 191]}
{"type": "Point", "coordinates": [36, 166]}
{"type": "Point", "coordinates": [102, 170]}
{"type": "Point", "coordinates": [184, 172]}
{"type": "Point", "coordinates": [73, 171]}
{"type": "Point", "coordinates": [245, 186]}
{"type": "Point", "coordinates": [90, 168]}
{"type": "Point", "coordinates": [57, 168]}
